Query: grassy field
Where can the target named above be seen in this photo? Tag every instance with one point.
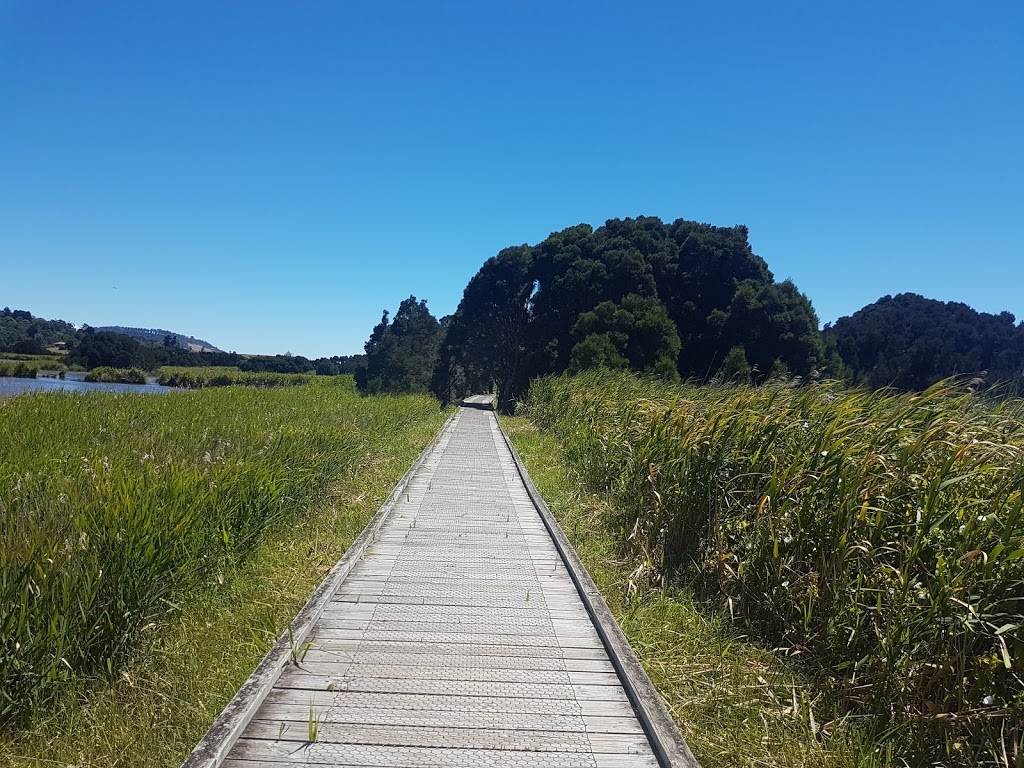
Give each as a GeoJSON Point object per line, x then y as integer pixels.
{"type": "Point", "coordinates": [152, 548]}
{"type": "Point", "coordinates": [200, 378]}
{"type": "Point", "coordinates": [875, 539]}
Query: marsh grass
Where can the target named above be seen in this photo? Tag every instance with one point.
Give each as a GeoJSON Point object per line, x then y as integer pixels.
{"type": "Point", "coordinates": [873, 537]}
{"type": "Point", "coordinates": [121, 515]}
{"type": "Point", "coordinates": [217, 376]}
{"type": "Point", "coordinates": [28, 369]}
{"type": "Point", "coordinates": [732, 700]}
{"type": "Point", "coordinates": [191, 662]}
{"type": "Point", "coordinates": [117, 375]}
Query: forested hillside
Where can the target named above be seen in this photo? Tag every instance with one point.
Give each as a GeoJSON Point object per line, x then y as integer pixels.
{"type": "Point", "coordinates": [21, 330]}
{"type": "Point", "coordinates": [910, 342]}
{"type": "Point", "coordinates": [161, 336]}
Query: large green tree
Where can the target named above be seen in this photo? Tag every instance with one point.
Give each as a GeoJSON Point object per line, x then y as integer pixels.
{"type": "Point", "coordinates": [401, 354]}
{"type": "Point", "coordinates": [635, 333]}
{"type": "Point", "coordinates": [773, 323]}
{"type": "Point", "coordinates": [635, 293]}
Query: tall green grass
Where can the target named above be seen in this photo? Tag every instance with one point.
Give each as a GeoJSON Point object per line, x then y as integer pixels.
{"type": "Point", "coordinates": [117, 375]}
{"type": "Point", "coordinates": [878, 538]}
{"type": "Point", "coordinates": [200, 378]}
{"type": "Point", "coordinates": [113, 508]}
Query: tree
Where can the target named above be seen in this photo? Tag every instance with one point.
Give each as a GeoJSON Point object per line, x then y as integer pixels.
{"type": "Point", "coordinates": [636, 334]}
{"type": "Point", "coordinates": [772, 322]}
{"type": "Point", "coordinates": [486, 340]}
{"type": "Point", "coordinates": [29, 347]}
{"type": "Point", "coordinates": [634, 293]}
{"type": "Point", "coordinates": [401, 355]}
{"type": "Point", "coordinates": [735, 367]}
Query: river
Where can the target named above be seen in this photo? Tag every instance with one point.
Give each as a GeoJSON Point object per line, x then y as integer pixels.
{"type": "Point", "coordinates": [72, 382]}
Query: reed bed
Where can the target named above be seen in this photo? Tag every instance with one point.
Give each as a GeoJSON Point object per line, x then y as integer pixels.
{"type": "Point", "coordinates": [200, 378]}
{"type": "Point", "coordinates": [117, 375]}
{"type": "Point", "coordinates": [875, 537]}
{"type": "Point", "coordinates": [114, 508]}
{"type": "Point", "coordinates": [28, 369]}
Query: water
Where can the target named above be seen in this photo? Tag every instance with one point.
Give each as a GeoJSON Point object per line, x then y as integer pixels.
{"type": "Point", "coordinates": [73, 382]}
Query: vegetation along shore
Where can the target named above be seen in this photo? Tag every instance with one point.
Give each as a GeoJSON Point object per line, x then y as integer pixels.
{"type": "Point", "coordinates": [151, 548]}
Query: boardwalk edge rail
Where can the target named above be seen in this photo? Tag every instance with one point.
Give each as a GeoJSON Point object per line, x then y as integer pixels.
{"type": "Point", "coordinates": [213, 748]}
{"type": "Point", "coordinates": [667, 742]}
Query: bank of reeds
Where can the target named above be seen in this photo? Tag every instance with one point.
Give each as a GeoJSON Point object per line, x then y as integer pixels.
{"type": "Point", "coordinates": [117, 375]}
{"type": "Point", "coordinates": [876, 537]}
{"type": "Point", "coordinates": [114, 508]}
{"type": "Point", "coordinates": [200, 378]}
{"type": "Point", "coordinates": [50, 360]}
{"type": "Point", "coordinates": [28, 369]}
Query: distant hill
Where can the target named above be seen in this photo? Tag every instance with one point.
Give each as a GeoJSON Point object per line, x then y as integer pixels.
{"type": "Point", "coordinates": [157, 336]}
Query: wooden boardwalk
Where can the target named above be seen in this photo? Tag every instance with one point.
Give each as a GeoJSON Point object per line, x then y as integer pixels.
{"type": "Point", "coordinates": [456, 636]}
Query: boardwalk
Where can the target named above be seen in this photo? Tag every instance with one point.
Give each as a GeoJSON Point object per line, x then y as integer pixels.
{"type": "Point", "coordinates": [457, 638]}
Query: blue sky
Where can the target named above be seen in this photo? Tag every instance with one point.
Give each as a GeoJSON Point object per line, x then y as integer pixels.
{"type": "Point", "coordinates": [270, 176]}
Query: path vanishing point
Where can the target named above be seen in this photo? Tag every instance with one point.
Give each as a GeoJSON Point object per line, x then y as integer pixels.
{"type": "Point", "coordinates": [460, 629]}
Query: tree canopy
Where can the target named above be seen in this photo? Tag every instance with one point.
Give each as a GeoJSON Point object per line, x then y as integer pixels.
{"type": "Point", "coordinates": [401, 354]}
{"type": "Point", "coordinates": [671, 299]}
{"type": "Point", "coordinates": [910, 342]}
{"type": "Point", "coordinates": [19, 326]}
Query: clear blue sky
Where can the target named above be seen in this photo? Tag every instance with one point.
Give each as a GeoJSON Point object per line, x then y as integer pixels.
{"type": "Point", "coordinates": [270, 176]}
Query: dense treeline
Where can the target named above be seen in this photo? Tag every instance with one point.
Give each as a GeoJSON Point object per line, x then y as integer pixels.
{"type": "Point", "coordinates": [116, 351]}
{"type": "Point", "coordinates": [673, 299]}
{"type": "Point", "coordinates": [160, 336]}
{"type": "Point", "coordinates": [910, 342]}
{"type": "Point", "coordinates": [683, 299]}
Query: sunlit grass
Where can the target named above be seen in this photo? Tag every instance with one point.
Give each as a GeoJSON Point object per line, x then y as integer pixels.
{"type": "Point", "coordinates": [875, 538]}
{"type": "Point", "coordinates": [137, 587]}
{"type": "Point", "coordinates": [732, 700]}
{"type": "Point", "coordinates": [117, 375]}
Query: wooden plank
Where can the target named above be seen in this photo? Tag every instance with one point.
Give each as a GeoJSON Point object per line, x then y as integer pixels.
{"type": "Point", "coordinates": [449, 736]}
{"type": "Point", "coordinates": [456, 705]}
{"type": "Point", "coordinates": [319, 753]}
{"type": "Point", "coordinates": [329, 712]}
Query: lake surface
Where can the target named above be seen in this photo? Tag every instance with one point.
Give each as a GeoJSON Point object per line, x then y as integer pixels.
{"type": "Point", "coordinates": [73, 382]}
